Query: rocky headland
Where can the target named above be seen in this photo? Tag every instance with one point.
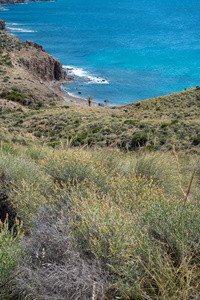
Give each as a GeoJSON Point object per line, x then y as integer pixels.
{"type": "Point", "coordinates": [39, 63]}
{"type": "Point", "coordinates": [31, 69]}
{"type": "Point", "coordinates": [34, 72]}
{"type": "Point", "coordinates": [31, 60]}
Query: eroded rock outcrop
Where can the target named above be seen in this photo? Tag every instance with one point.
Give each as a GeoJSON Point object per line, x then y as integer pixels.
{"type": "Point", "coordinates": [2, 25]}
{"type": "Point", "coordinates": [41, 64]}
{"type": "Point", "coordinates": [35, 45]}
{"type": "Point", "coordinates": [36, 74]}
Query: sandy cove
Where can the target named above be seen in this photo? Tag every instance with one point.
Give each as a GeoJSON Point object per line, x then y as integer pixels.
{"type": "Point", "coordinates": [55, 86]}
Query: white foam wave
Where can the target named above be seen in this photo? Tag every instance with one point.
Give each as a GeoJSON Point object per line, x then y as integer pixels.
{"type": "Point", "coordinates": [19, 30]}
{"type": "Point", "coordinates": [79, 72]}
{"type": "Point", "coordinates": [13, 24]}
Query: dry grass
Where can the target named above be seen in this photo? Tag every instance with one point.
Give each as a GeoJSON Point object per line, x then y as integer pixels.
{"type": "Point", "coordinates": [90, 210]}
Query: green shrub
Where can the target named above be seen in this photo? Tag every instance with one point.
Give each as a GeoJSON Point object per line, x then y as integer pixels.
{"type": "Point", "coordinates": [40, 104]}
{"type": "Point", "coordinates": [95, 130]}
{"type": "Point", "coordinates": [131, 122]}
{"type": "Point", "coordinates": [139, 139]}
{"type": "Point", "coordinates": [10, 255]}
{"type": "Point", "coordinates": [151, 147]}
{"type": "Point", "coordinates": [164, 125]}
{"type": "Point", "coordinates": [174, 122]}
{"type": "Point", "coordinates": [9, 63]}
{"type": "Point", "coordinates": [196, 141]}
{"type": "Point", "coordinates": [77, 122]}
{"type": "Point", "coordinates": [80, 138]}
{"type": "Point", "coordinates": [90, 140]}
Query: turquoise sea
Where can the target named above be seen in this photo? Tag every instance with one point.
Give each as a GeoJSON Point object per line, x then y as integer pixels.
{"type": "Point", "coordinates": [122, 51]}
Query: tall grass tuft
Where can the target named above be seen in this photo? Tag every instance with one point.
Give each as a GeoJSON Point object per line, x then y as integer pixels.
{"type": "Point", "coordinates": [10, 256]}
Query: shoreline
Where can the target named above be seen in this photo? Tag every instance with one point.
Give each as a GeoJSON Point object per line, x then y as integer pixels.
{"type": "Point", "coordinates": [55, 86]}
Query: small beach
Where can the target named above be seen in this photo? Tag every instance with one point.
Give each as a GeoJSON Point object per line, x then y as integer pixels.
{"type": "Point", "coordinates": [56, 87]}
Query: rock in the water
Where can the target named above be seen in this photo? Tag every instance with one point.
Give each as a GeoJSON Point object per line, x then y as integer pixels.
{"type": "Point", "coordinates": [101, 104]}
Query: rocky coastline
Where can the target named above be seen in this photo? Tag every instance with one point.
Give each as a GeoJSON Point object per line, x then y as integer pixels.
{"type": "Point", "coordinates": [35, 71]}
{"type": "Point", "coordinates": [44, 67]}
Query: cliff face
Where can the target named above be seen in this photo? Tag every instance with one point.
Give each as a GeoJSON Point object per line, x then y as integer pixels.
{"type": "Point", "coordinates": [28, 68]}
{"type": "Point", "coordinates": [2, 25]}
{"type": "Point", "coordinates": [46, 67]}
{"type": "Point", "coordinates": [41, 64]}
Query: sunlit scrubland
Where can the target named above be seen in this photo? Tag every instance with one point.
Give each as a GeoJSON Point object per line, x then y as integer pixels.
{"type": "Point", "coordinates": [99, 224]}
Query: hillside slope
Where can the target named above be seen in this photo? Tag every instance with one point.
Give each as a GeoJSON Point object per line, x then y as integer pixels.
{"type": "Point", "coordinates": [30, 108]}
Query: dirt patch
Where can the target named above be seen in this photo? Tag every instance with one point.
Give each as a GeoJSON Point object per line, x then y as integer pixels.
{"type": "Point", "coordinates": [7, 104]}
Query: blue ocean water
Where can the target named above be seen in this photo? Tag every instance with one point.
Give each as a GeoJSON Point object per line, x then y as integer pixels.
{"type": "Point", "coordinates": [122, 51]}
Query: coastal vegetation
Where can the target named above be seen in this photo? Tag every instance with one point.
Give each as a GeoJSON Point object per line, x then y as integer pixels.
{"type": "Point", "coordinates": [130, 128]}
{"type": "Point", "coordinates": [96, 203]}
{"type": "Point", "coordinates": [99, 223]}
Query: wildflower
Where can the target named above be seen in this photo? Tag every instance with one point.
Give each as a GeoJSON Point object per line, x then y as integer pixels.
{"type": "Point", "coordinates": [43, 253]}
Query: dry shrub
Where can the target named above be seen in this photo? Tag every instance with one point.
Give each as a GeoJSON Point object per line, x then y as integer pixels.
{"type": "Point", "coordinates": [55, 269]}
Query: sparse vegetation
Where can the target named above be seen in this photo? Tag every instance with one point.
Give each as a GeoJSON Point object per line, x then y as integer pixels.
{"type": "Point", "coordinates": [82, 127]}
{"type": "Point", "coordinates": [96, 203]}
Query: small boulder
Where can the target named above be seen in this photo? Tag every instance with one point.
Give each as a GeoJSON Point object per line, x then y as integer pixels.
{"type": "Point", "coordinates": [101, 104]}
